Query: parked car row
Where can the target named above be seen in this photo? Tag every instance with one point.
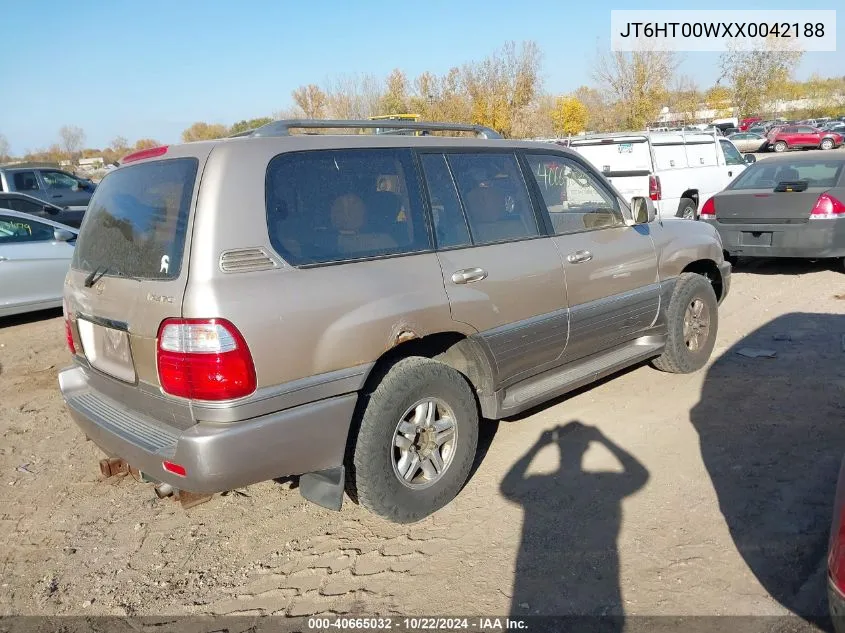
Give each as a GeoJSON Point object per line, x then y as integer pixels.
{"type": "Point", "coordinates": [780, 138]}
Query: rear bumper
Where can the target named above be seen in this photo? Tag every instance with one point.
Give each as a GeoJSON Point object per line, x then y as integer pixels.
{"type": "Point", "coordinates": [216, 456]}
{"type": "Point", "coordinates": [811, 239]}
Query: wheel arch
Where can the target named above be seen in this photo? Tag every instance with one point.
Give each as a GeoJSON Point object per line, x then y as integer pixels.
{"type": "Point", "coordinates": [707, 268]}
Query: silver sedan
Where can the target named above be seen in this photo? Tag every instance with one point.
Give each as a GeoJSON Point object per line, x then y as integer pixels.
{"type": "Point", "coordinates": [34, 258]}
{"type": "Point", "coordinates": [748, 141]}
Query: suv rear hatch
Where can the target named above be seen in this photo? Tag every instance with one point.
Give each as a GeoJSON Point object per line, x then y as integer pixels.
{"type": "Point", "coordinates": [129, 273]}
{"type": "Point", "coordinates": [777, 192]}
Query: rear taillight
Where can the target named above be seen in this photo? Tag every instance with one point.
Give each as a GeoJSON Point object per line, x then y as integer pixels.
{"type": "Point", "coordinates": [68, 329]}
{"type": "Point", "coordinates": [654, 187]}
{"type": "Point", "coordinates": [827, 208]}
{"type": "Point", "coordinates": [708, 210]}
{"type": "Point", "coordinates": [204, 359]}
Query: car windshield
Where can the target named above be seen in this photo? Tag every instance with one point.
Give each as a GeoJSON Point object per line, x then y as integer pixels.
{"type": "Point", "coordinates": [767, 174]}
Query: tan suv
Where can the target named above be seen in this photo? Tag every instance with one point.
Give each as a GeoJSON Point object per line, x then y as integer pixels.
{"type": "Point", "coordinates": [347, 307]}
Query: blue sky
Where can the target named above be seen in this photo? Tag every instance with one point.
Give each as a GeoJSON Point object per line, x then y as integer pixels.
{"type": "Point", "coordinates": [151, 68]}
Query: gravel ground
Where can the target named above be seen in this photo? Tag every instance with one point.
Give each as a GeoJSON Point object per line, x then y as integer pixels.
{"type": "Point", "coordinates": [647, 494]}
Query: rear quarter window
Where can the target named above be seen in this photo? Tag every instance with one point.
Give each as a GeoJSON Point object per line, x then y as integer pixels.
{"type": "Point", "coordinates": [339, 205]}
{"type": "Point", "coordinates": [137, 220]}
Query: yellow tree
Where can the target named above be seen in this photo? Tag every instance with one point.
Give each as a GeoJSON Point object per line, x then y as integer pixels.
{"type": "Point", "coordinates": [718, 99]}
{"type": "Point", "coordinates": [395, 98]}
{"type": "Point", "coordinates": [311, 100]}
{"type": "Point", "coordinates": [146, 143]}
{"type": "Point", "coordinates": [569, 116]}
{"type": "Point", "coordinates": [201, 131]}
{"type": "Point", "coordinates": [637, 80]}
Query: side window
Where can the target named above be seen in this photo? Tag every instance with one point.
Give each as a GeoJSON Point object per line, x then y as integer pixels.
{"type": "Point", "coordinates": [494, 196]}
{"type": "Point", "coordinates": [25, 181]}
{"type": "Point", "coordinates": [338, 205]}
{"type": "Point", "coordinates": [18, 230]}
{"type": "Point", "coordinates": [575, 199]}
{"type": "Point", "coordinates": [806, 129]}
{"type": "Point", "coordinates": [22, 204]}
{"type": "Point", "coordinates": [450, 226]}
{"type": "Point", "coordinates": [732, 155]}
{"type": "Point", "coordinates": [58, 180]}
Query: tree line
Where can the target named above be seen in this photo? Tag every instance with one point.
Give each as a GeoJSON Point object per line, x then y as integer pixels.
{"type": "Point", "coordinates": [505, 91]}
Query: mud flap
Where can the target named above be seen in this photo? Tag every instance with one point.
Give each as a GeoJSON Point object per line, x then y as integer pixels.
{"type": "Point", "coordinates": [325, 487]}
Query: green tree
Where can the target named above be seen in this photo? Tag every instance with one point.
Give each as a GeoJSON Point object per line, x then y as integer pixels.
{"type": "Point", "coordinates": [250, 124]}
{"type": "Point", "coordinates": [569, 116]}
{"type": "Point", "coordinates": [718, 99]}
{"type": "Point", "coordinates": [201, 131]}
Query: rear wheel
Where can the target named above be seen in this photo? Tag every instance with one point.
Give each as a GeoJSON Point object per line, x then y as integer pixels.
{"type": "Point", "coordinates": [781, 146]}
{"type": "Point", "coordinates": [827, 143]}
{"type": "Point", "coordinates": [417, 440]}
{"type": "Point", "coordinates": [692, 324]}
{"type": "Point", "coordinates": [687, 209]}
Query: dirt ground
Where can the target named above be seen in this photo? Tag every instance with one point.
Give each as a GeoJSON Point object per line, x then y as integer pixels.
{"type": "Point", "coordinates": [646, 494]}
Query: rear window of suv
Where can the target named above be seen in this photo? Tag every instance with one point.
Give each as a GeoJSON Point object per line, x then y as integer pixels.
{"type": "Point", "coordinates": [339, 205]}
{"type": "Point", "coordinates": [136, 221]}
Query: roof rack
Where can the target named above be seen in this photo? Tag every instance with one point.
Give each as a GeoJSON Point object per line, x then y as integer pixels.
{"type": "Point", "coordinates": [282, 128]}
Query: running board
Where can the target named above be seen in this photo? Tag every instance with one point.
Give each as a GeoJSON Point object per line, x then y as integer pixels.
{"type": "Point", "coordinates": [556, 382]}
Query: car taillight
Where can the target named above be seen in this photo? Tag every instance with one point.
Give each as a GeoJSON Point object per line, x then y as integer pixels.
{"type": "Point", "coordinates": [204, 359]}
{"type": "Point", "coordinates": [68, 329]}
{"type": "Point", "coordinates": [709, 209]}
{"type": "Point", "coordinates": [827, 207]}
{"type": "Point", "coordinates": [654, 187]}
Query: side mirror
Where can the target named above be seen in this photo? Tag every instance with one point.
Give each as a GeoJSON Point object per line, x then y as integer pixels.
{"type": "Point", "coordinates": [642, 209]}
{"type": "Point", "coordinates": [750, 159]}
{"type": "Point", "coordinates": [51, 209]}
{"type": "Point", "coordinates": [61, 235]}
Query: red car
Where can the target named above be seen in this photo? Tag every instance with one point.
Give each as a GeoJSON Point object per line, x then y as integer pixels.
{"type": "Point", "coordinates": [802, 137]}
{"type": "Point", "coordinates": [744, 124]}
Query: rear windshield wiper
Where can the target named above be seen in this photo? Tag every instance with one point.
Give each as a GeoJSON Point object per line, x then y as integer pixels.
{"type": "Point", "coordinates": [95, 275]}
{"type": "Point", "coordinates": [99, 271]}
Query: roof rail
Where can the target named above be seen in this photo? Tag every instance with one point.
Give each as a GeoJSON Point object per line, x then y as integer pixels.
{"type": "Point", "coordinates": [282, 128]}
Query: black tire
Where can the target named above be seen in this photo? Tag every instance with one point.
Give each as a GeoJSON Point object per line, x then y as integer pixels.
{"type": "Point", "coordinates": [374, 483]}
{"type": "Point", "coordinates": [780, 146]}
{"type": "Point", "coordinates": [678, 357]}
{"type": "Point", "coordinates": [827, 143]}
{"type": "Point", "coordinates": [687, 209]}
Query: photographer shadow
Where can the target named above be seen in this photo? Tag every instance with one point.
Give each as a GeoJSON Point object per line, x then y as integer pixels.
{"type": "Point", "coordinates": [568, 563]}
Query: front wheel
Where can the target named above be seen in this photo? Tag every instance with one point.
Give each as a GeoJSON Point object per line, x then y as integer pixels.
{"type": "Point", "coordinates": [416, 442]}
{"type": "Point", "coordinates": [827, 143]}
{"type": "Point", "coordinates": [692, 323]}
{"type": "Point", "coordinates": [781, 146]}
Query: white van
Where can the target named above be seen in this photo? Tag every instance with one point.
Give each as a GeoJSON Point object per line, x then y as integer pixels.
{"type": "Point", "coordinates": [680, 171]}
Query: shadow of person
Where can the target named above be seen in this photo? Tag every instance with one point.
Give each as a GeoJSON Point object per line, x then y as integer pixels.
{"type": "Point", "coordinates": [568, 562]}
{"type": "Point", "coordinates": [772, 435]}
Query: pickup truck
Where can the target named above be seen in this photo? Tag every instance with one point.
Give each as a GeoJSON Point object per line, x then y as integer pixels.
{"type": "Point", "coordinates": [50, 185]}
{"type": "Point", "coordinates": [679, 171]}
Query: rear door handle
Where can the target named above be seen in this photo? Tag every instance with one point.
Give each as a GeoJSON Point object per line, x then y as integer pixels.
{"type": "Point", "coordinates": [730, 173]}
{"type": "Point", "coordinates": [579, 257]}
{"type": "Point", "coordinates": [468, 275]}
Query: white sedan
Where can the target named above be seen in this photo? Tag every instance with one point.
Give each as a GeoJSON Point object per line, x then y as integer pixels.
{"type": "Point", "coordinates": [34, 258]}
